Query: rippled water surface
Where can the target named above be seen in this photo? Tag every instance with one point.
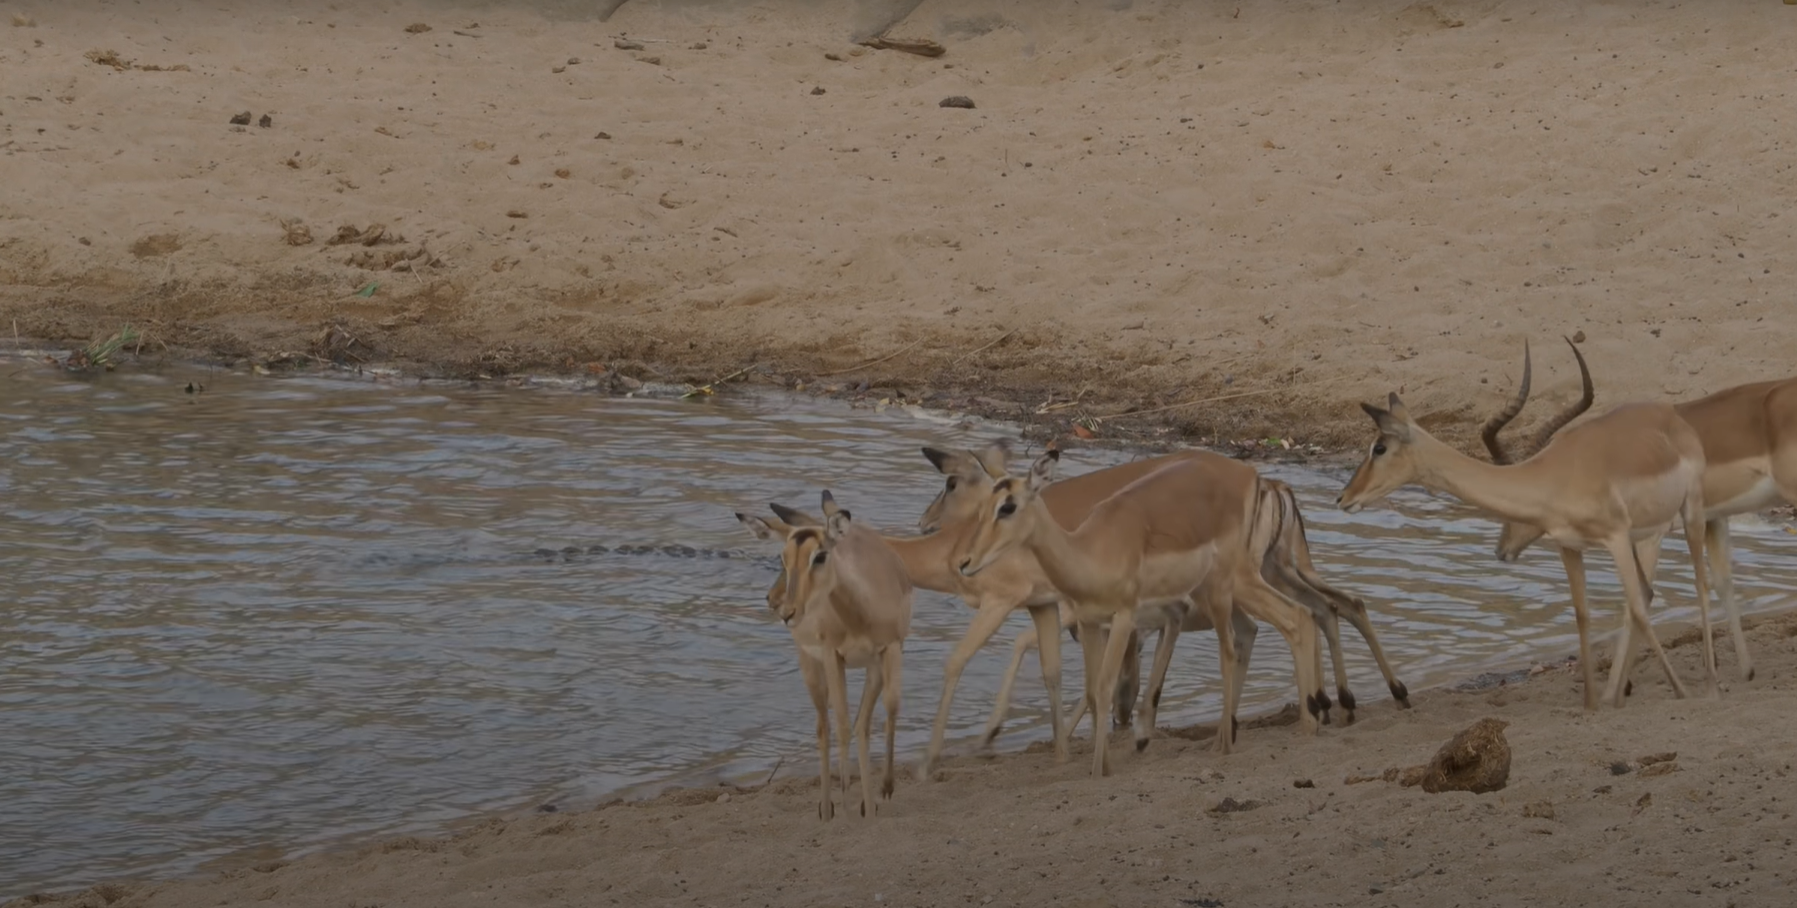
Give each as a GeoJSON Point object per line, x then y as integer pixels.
{"type": "Point", "coordinates": [282, 612]}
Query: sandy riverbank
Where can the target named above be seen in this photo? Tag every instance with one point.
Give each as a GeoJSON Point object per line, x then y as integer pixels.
{"type": "Point", "coordinates": [1019, 830]}
{"type": "Point", "coordinates": [1313, 202]}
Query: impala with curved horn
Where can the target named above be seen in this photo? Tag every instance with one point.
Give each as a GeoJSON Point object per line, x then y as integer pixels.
{"type": "Point", "coordinates": [1749, 436]}
{"type": "Point", "coordinates": [1618, 481]}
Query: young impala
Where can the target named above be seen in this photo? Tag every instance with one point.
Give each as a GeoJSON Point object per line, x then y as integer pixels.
{"type": "Point", "coordinates": [847, 604]}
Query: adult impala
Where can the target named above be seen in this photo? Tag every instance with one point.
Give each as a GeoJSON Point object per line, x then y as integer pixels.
{"type": "Point", "coordinates": [1278, 535]}
{"type": "Point", "coordinates": [1179, 531]}
{"type": "Point", "coordinates": [1749, 436]}
{"type": "Point", "coordinates": [1616, 482]}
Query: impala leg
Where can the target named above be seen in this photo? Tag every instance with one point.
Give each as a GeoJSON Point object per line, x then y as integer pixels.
{"type": "Point", "coordinates": [1330, 631]}
{"type": "Point", "coordinates": [1080, 708]}
{"type": "Point", "coordinates": [1344, 605]}
{"type": "Point", "coordinates": [1092, 646]}
{"type": "Point", "coordinates": [1048, 622]}
{"type": "Point", "coordinates": [1574, 562]}
{"type": "Point", "coordinates": [892, 672]}
{"type": "Point", "coordinates": [1123, 626]}
{"type": "Point", "coordinates": [813, 673]}
{"type": "Point", "coordinates": [1163, 656]}
{"type": "Point", "coordinates": [864, 719]}
{"type": "Point", "coordinates": [1293, 587]}
{"type": "Point", "coordinates": [1647, 554]}
{"type": "Point", "coordinates": [1352, 608]}
{"type": "Point", "coordinates": [1233, 648]}
{"type": "Point", "coordinates": [1001, 707]}
{"type": "Point", "coordinates": [836, 675]}
{"type": "Point", "coordinates": [1129, 679]}
{"type": "Point", "coordinates": [986, 622]}
{"type": "Point", "coordinates": [1696, 534]}
{"type": "Point", "coordinates": [1245, 631]}
{"type": "Point", "coordinates": [1309, 638]}
{"type": "Point", "coordinates": [1718, 547]}
{"type": "Point", "coordinates": [1020, 648]}
{"type": "Point", "coordinates": [1294, 623]}
{"type": "Point", "coordinates": [1636, 593]}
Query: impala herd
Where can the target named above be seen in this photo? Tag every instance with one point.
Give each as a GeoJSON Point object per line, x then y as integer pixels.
{"type": "Point", "coordinates": [1197, 541]}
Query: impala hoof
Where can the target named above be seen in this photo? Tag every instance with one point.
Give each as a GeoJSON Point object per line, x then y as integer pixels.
{"type": "Point", "coordinates": [1401, 694]}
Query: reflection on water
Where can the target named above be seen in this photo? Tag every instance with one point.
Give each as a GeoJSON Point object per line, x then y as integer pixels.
{"type": "Point", "coordinates": [287, 611]}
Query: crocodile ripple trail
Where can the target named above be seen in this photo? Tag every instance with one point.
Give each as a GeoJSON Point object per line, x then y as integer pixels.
{"type": "Point", "coordinates": [284, 612]}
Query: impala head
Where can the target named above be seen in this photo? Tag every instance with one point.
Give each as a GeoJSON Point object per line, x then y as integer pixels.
{"type": "Point", "coordinates": [806, 571]}
{"type": "Point", "coordinates": [1391, 460]}
{"type": "Point", "coordinates": [1007, 515]}
{"type": "Point", "coordinates": [1515, 537]}
{"type": "Point", "coordinates": [970, 475]}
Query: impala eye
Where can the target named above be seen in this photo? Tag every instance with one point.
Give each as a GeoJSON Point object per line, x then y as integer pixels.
{"type": "Point", "coordinates": [1007, 509]}
{"type": "Point", "coordinates": [819, 558]}
{"type": "Point", "coordinates": [1378, 449]}
{"type": "Point", "coordinates": [951, 483]}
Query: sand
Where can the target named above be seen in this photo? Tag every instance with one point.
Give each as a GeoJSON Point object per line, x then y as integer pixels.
{"type": "Point", "coordinates": [1290, 206]}
{"type": "Point", "coordinates": [1308, 204]}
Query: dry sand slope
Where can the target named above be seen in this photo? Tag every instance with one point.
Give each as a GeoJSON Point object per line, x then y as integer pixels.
{"type": "Point", "coordinates": [1151, 203]}
{"type": "Point", "coordinates": [1584, 821]}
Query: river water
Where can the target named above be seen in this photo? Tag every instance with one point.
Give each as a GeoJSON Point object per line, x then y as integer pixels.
{"type": "Point", "coordinates": [270, 613]}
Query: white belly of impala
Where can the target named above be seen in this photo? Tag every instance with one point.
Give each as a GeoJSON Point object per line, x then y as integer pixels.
{"type": "Point", "coordinates": [854, 656]}
{"type": "Point", "coordinates": [1763, 494]}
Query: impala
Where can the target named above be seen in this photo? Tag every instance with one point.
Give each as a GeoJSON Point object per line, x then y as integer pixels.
{"type": "Point", "coordinates": [928, 563]}
{"type": "Point", "coordinates": [1617, 482]}
{"type": "Point", "coordinates": [1180, 531]}
{"type": "Point", "coordinates": [847, 603]}
{"type": "Point", "coordinates": [1749, 436]}
{"type": "Point", "coordinates": [1285, 558]}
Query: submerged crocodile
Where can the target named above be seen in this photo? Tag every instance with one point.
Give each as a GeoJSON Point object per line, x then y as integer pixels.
{"type": "Point", "coordinates": [565, 555]}
{"type": "Point", "coordinates": [570, 553]}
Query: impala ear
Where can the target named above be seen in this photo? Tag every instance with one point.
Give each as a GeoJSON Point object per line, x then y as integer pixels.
{"type": "Point", "coordinates": [836, 519]}
{"type": "Point", "coordinates": [794, 517]}
{"type": "Point", "coordinates": [943, 460]}
{"type": "Point", "coordinates": [994, 458]}
{"type": "Point", "coordinates": [763, 529]}
{"type": "Point", "coordinates": [1398, 409]}
{"type": "Point", "coordinates": [1042, 472]}
{"type": "Point", "coordinates": [1389, 422]}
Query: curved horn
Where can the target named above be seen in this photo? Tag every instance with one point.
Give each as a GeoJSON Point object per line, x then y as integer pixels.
{"type": "Point", "coordinates": [1503, 417]}
{"type": "Point", "coordinates": [1546, 434]}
